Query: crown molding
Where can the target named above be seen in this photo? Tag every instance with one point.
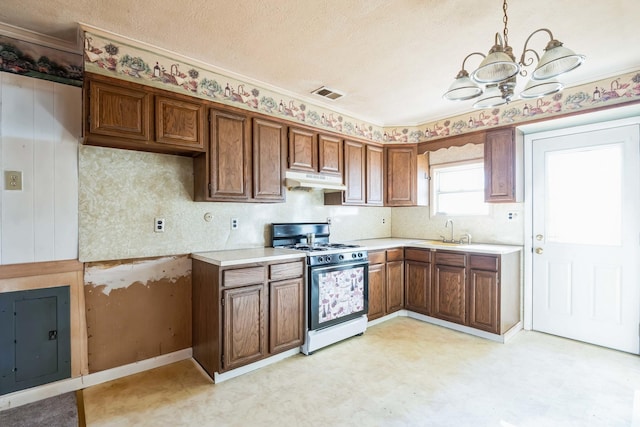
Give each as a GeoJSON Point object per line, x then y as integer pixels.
{"type": "Point", "coordinates": [40, 39]}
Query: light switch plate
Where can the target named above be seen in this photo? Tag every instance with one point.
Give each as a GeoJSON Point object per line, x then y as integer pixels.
{"type": "Point", "coordinates": [13, 180]}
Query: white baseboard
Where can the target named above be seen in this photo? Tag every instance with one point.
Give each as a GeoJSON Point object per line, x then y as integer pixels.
{"type": "Point", "coordinates": [34, 394]}
{"type": "Point", "coordinates": [461, 328]}
{"type": "Point", "coordinates": [399, 313]}
{"type": "Point", "coordinates": [218, 378]}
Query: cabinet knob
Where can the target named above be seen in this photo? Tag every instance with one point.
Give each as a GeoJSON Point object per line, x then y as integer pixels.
{"type": "Point", "coordinates": [539, 251]}
{"type": "Point", "coordinates": [539, 237]}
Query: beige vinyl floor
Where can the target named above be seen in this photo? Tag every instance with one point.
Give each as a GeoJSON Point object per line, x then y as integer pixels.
{"type": "Point", "coordinates": [402, 372]}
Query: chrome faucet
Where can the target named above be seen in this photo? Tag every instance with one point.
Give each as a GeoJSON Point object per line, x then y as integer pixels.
{"type": "Point", "coordinates": [446, 224]}
{"type": "Point", "coordinates": [466, 237]}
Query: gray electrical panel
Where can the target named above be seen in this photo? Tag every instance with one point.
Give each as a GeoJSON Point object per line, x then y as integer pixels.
{"type": "Point", "coordinates": [35, 338]}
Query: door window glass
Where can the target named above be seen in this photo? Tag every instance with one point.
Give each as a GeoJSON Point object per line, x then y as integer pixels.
{"type": "Point", "coordinates": [583, 194]}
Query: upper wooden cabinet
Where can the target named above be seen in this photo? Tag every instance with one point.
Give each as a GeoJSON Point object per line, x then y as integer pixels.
{"type": "Point", "coordinates": [269, 154]}
{"type": "Point", "coordinates": [363, 176]}
{"type": "Point", "coordinates": [303, 150]}
{"type": "Point", "coordinates": [354, 175]}
{"type": "Point", "coordinates": [118, 112]}
{"type": "Point", "coordinates": [122, 114]}
{"type": "Point", "coordinates": [179, 122]}
{"type": "Point", "coordinates": [310, 151]}
{"type": "Point", "coordinates": [330, 155]}
{"type": "Point", "coordinates": [499, 166]}
{"type": "Point", "coordinates": [407, 176]}
{"type": "Point", "coordinates": [374, 182]}
{"type": "Point", "coordinates": [245, 161]}
{"type": "Point", "coordinates": [230, 154]}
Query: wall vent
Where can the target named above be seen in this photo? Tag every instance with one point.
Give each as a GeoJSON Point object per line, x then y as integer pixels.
{"type": "Point", "coordinates": [329, 93]}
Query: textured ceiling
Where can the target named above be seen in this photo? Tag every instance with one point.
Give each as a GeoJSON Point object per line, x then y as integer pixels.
{"type": "Point", "coordinates": [393, 58]}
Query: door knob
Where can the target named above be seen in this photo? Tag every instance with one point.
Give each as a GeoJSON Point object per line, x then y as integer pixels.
{"type": "Point", "coordinates": [539, 237]}
{"type": "Point", "coordinates": [539, 251]}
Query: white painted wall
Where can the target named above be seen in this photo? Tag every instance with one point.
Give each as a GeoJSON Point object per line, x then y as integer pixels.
{"type": "Point", "coordinates": [40, 125]}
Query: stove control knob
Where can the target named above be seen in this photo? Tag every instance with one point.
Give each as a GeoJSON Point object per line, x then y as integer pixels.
{"type": "Point", "coordinates": [359, 254]}
{"type": "Point", "coordinates": [340, 257]}
{"type": "Point", "coordinates": [353, 255]}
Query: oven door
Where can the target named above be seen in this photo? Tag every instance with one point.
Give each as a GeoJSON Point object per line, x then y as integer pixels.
{"type": "Point", "coordinates": [337, 293]}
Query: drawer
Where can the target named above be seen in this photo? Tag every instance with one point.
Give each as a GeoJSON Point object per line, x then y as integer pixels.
{"type": "Point", "coordinates": [395, 254]}
{"type": "Point", "coordinates": [377, 257]}
{"type": "Point", "coordinates": [483, 262]}
{"type": "Point", "coordinates": [423, 255]}
{"type": "Point", "coordinates": [286, 270]}
{"type": "Point", "coordinates": [450, 258]}
{"type": "Point", "coordinates": [243, 276]}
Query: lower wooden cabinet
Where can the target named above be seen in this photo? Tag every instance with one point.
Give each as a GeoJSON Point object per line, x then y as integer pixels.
{"type": "Point", "coordinates": [477, 290]}
{"type": "Point", "coordinates": [286, 314]}
{"type": "Point", "coordinates": [449, 296]}
{"type": "Point", "coordinates": [483, 300]}
{"type": "Point", "coordinates": [418, 281]}
{"type": "Point", "coordinates": [244, 325]}
{"type": "Point", "coordinates": [386, 282]}
{"type": "Point", "coordinates": [395, 280]}
{"type": "Point", "coordinates": [243, 314]}
{"type": "Point", "coordinates": [377, 288]}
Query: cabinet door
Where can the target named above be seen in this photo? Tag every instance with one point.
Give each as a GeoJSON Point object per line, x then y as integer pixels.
{"type": "Point", "coordinates": [418, 287]}
{"type": "Point", "coordinates": [243, 326]}
{"type": "Point", "coordinates": [395, 286]}
{"type": "Point", "coordinates": [329, 155]}
{"type": "Point", "coordinates": [499, 166]}
{"type": "Point", "coordinates": [286, 315]}
{"type": "Point", "coordinates": [377, 290]}
{"type": "Point", "coordinates": [303, 150]}
{"type": "Point", "coordinates": [269, 150]}
{"type": "Point", "coordinates": [119, 111]}
{"type": "Point", "coordinates": [483, 300]}
{"type": "Point", "coordinates": [179, 122]}
{"type": "Point", "coordinates": [401, 176]}
{"type": "Point", "coordinates": [354, 172]}
{"type": "Point", "coordinates": [375, 175]}
{"type": "Point", "coordinates": [449, 294]}
{"type": "Point", "coordinates": [230, 157]}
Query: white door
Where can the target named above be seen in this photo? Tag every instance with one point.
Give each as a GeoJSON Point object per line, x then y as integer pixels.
{"type": "Point", "coordinates": [586, 236]}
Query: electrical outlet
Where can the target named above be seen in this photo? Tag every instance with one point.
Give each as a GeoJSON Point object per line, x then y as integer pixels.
{"type": "Point", "coordinates": [159, 225]}
{"type": "Point", "coordinates": [511, 215]}
{"type": "Point", "coordinates": [234, 223]}
{"type": "Point", "coordinates": [384, 221]}
{"type": "Point", "coordinates": [13, 180]}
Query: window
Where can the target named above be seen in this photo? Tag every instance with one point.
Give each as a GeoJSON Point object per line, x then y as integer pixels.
{"type": "Point", "coordinates": [458, 189]}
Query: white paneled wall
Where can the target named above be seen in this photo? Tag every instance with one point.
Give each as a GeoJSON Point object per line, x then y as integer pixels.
{"type": "Point", "coordinates": [40, 126]}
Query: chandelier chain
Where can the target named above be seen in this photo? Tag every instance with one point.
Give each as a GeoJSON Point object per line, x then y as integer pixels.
{"type": "Point", "coordinates": [505, 19]}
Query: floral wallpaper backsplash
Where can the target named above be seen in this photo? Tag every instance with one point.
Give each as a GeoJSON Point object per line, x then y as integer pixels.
{"type": "Point", "coordinates": [121, 58]}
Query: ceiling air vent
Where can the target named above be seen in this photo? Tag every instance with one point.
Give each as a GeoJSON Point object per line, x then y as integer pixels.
{"type": "Point", "coordinates": [329, 93]}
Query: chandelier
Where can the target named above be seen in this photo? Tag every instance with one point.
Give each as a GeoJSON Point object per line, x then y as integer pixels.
{"type": "Point", "coordinates": [494, 80]}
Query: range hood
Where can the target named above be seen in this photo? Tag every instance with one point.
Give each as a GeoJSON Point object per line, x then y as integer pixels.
{"type": "Point", "coordinates": [304, 180]}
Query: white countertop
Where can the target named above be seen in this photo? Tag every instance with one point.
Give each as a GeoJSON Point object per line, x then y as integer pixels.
{"type": "Point", "coordinates": [247, 256]}
{"type": "Point", "coordinates": [392, 242]}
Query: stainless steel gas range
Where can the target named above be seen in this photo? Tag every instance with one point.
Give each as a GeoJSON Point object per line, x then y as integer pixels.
{"type": "Point", "coordinates": [336, 283]}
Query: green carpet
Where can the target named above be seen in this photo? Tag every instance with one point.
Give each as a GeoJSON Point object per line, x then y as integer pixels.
{"type": "Point", "coordinates": [57, 411]}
